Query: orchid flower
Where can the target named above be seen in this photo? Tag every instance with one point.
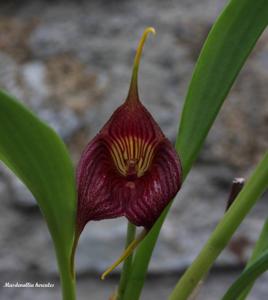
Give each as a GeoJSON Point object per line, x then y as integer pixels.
{"type": "Point", "coordinates": [130, 168]}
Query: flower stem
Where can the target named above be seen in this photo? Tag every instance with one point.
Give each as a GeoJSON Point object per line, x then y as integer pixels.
{"type": "Point", "coordinates": [254, 188]}
{"type": "Point", "coordinates": [66, 277]}
{"type": "Point", "coordinates": [131, 231]}
{"type": "Point", "coordinates": [68, 286]}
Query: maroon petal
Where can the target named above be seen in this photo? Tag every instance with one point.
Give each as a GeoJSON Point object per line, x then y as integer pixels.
{"type": "Point", "coordinates": [96, 179]}
{"type": "Point", "coordinates": [156, 189]}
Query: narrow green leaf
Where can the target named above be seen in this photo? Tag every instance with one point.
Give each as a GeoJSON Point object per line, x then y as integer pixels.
{"type": "Point", "coordinates": [260, 247]}
{"type": "Point", "coordinates": [255, 186]}
{"type": "Point", "coordinates": [228, 45]}
{"type": "Point", "coordinates": [35, 153]}
{"type": "Point", "coordinates": [224, 53]}
{"type": "Point", "coordinates": [251, 273]}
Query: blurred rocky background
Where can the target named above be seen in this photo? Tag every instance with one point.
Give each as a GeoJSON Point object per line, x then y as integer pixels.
{"type": "Point", "coordinates": [70, 62]}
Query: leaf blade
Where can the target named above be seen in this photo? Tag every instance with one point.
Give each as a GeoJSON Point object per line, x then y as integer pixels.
{"type": "Point", "coordinates": [255, 186]}
{"type": "Point", "coordinates": [260, 247]}
{"type": "Point", "coordinates": [229, 43]}
{"type": "Point", "coordinates": [35, 153]}
{"type": "Point", "coordinates": [257, 268]}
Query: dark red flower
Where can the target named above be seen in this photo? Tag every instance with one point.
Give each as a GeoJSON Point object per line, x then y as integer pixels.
{"type": "Point", "coordinates": [130, 168]}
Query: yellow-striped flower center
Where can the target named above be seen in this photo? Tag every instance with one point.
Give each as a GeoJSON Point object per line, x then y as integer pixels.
{"type": "Point", "coordinates": [132, 155]}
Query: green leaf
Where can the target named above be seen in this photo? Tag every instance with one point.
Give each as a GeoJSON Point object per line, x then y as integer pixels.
{"type": "Point", "coordinates": [228, 45]}
{"type": "Point", "coordinates": [255, 186]}
{"type": "Point", "coordinates": [260, 247]}
{"type": "Point", "coordinates": [247, 277]}
{"type": "Point", "coordinates": [35, 153]}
